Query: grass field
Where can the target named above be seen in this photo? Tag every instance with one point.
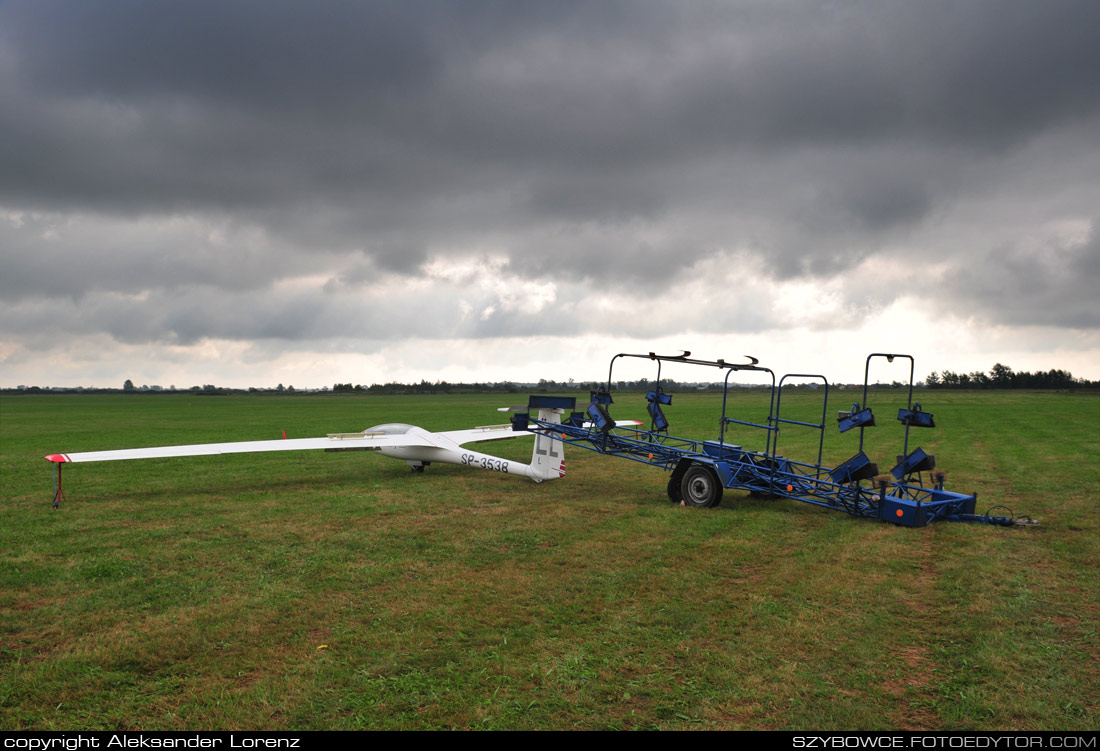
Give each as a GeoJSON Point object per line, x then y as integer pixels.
{"type": "Point", "coordinates": [339, 591]}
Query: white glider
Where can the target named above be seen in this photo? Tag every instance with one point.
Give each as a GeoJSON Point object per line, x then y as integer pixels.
{"type": "Point", "coordinates": [413, 444]}
{"type": "Point", "coordinates": [416, 446]}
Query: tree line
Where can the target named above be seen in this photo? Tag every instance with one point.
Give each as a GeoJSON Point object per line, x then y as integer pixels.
{"type": "Point", "coordinates": [1003, 377]}
{"type": "Point", "coordinates": [543, 386]}
{"type": "Point", "coordinates": [999, 377]}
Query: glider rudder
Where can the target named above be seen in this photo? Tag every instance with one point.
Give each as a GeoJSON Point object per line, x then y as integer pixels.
{"type": "Point", "coordinates": [548, 454]}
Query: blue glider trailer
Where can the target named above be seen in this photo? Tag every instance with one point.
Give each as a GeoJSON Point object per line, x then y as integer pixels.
{"type": "Point", "coordinates": [911, 494]}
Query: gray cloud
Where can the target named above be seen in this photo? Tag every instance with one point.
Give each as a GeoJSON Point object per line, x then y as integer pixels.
{"type": "Point", "coordinates": [212, 102]}
{"type": "Point", "coordinates": [167, 166]}
{"type": "Point", "coordinates": [1054, 284]}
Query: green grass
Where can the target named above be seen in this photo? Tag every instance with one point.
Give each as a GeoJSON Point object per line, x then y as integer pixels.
{"type": "Point", "coordinates": [198, 593]}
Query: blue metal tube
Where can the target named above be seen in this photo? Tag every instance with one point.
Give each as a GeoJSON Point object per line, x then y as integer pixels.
{"type": "Point", "coordinates": [771, 408]}
{"type": "Point", "coordinates": [750, 424]}
{"type": "Point", "coordinates": [909, 404]}
{"type": "Point", "coordinates": [824, 407]}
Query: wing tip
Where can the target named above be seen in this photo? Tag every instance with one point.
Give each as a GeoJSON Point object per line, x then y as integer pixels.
{"type": "Point", "coordinates": [58, 458]}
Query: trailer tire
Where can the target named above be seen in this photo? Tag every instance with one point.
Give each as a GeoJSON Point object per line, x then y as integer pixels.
{"type": "Point", "coordinates": [674, 493]}
{"type": "Point", "coordinates": [700, 487]}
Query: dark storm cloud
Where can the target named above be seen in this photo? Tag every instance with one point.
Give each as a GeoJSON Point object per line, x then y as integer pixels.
{"type": "Point", "coordinates": [272, 101]}
{"type": "Point", "coordinates": [606, 145]}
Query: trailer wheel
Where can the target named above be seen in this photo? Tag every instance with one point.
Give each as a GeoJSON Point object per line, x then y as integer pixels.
{"type": "Point", "coordinates": [674, 493]}
{"type": "Point", "coordinates": [700, 487]}
{"type": "Point", "coordinates": [675, 481]}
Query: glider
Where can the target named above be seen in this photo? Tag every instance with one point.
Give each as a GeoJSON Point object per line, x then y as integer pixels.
{"type": "Point", "coordinates": [415, 445]}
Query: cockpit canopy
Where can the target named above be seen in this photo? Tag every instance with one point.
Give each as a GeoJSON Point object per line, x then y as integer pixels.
{"type": "Point", "coordinates": [390, 428]}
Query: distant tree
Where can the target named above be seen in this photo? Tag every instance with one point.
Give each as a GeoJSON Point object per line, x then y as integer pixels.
{"type": "Point", "coordinates": [1001, 375]}
{"type": "Point", "coordinates": [128, 386]}
{"type": "Point", "coordinates": [280, 388]}
{"type": "Point", "coordinates": [1056, 379]}
{"type": "Point", "coordinates": [288, 388]}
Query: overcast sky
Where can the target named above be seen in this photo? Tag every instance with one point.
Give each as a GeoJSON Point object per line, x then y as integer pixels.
{"type": "Point", "coordinates": [249, 193]}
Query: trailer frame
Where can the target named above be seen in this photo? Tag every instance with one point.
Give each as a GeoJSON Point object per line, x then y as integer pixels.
{"type": "Point", "coordinates": [702, 470]}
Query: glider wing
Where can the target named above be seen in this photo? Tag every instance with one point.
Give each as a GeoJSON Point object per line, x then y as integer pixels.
{"type": "Point", "coordinates": [335, 441]}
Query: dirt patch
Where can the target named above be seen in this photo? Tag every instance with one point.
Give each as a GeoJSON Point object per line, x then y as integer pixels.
{"type": "Point", "coordinates": [320, 635]}
{"type": "Point", "coordinates": [916, 657]}
{"type": "Point", "coordinates": [31, 604]}
{"type": "Point", "coordinates": [914, 687]}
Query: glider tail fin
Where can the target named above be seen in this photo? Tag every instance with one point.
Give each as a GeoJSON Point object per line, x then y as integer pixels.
{"type": "Point", "coordinates": [548, 456]}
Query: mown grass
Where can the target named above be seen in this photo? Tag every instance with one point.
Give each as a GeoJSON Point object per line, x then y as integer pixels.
{"type": "Point", "coordinates": [340, 591]}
